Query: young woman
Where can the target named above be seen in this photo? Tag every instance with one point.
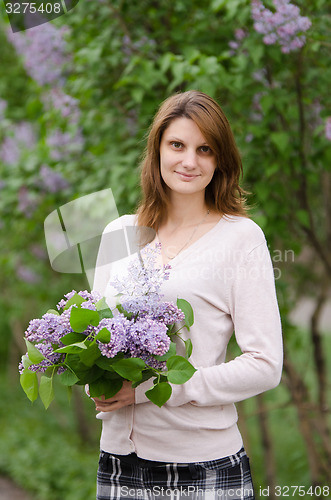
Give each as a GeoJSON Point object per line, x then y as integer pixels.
{"type": "Point", "coordinates": [191, 447]}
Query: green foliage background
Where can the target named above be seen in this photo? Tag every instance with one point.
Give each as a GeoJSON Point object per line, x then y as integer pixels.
{"type": "Point", "coordinates": [126, 58]}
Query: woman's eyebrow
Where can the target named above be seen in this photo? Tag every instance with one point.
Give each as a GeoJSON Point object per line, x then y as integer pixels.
{"type": "Point", "coordinates": [173, 138]}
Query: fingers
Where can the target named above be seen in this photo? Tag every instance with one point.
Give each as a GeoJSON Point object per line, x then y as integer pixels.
{"type": "Point", "coordinates": [109, 406]}
{"type": "Point", "coordinates": [124, 397]}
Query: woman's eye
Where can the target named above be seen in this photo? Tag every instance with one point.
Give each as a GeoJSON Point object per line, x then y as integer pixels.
{"type": "Point", "coordinates": [205, 149]}
{"type": "Point", "coordinates": [176, 145]}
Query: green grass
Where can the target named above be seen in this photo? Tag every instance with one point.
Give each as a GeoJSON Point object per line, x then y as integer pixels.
{"type": "Point", "coordinates": [42, 450]}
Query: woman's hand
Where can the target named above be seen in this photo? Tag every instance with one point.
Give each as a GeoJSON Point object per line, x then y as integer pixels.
{"type": "Point", "coordinates": [124, 397]}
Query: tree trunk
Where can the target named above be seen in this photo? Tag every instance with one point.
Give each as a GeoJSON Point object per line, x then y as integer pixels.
{"type": "Point", "coordinates": [269, 461]}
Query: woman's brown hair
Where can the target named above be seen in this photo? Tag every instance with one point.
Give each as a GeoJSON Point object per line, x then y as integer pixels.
{"type": "Point", "coordinates": [223, 193]}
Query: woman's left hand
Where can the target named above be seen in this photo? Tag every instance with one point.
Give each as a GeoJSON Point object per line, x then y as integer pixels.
{"type": "Point", "coordinates": [124, 397]}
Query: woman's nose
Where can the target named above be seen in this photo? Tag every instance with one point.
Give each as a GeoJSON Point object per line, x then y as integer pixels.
{"type": "Point", "coordinates": [189, 159]}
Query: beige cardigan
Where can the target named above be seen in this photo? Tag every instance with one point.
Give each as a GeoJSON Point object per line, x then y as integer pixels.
{"type": "Point", "coordinates": [227, 276]}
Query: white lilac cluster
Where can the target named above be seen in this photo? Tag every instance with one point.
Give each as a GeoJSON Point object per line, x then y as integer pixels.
{"type": "Point", "coordinates": [284, 26]}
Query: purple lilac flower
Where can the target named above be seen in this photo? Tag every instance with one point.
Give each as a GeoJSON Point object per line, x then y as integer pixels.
{"type": "Point", "coordinates": [67, 105]}
{"type": "Point", "coordinates": [282, 26]}
{"type": "Point", "coordinates": [51, 180]}
{"type": "Point", "coordinates": [21, 136]}
{"type": "Point", "coordinates": [44, 52]}
{"type": "Point", "coordinates": [27, 274]}
{"type": "Point", "coordinates": [51, 358]}
{"type": "Point", "coordinates": [38, 251]}
{"type": "Point", "coordinates": [328, 128]}
{"type": "Point", "coordinates": [63, 143]}
{"type": "Point", "coordinates": [118, 328]}
{"type": "Point", "coordinates": [240, 34]}
{"type": "Point", "coordinates": [50, 328]}
{"type": "Point", "coordinates": [235, 45]}
{"type": "Point", "coordinates": [148, 335]}
{"type": "Point", "coordinates": [26, 202]}
{"type": "Point", "coordinates": [9, 151]}
{"type": "Point", "coordinates": [92, 296]}
{"type": "Point", "coordinates": [167, 313]}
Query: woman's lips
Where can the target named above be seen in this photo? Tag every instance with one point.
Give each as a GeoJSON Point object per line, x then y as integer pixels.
{"type": "Point", "coordinates": [186, 177]}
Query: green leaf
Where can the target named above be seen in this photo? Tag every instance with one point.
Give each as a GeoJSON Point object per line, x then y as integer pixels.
{"type": "Point", "coordinates": [80, 319]}
{"type": "Point", "coordinates": [281, 140]}
{"type": "Point", "coordinates": [188, 347]}
{"type": "Point", "coordinates": [75, 300]}
{"type": "Point", "coordinates": [90, 355]}
{"type": "Point", "coordinates": [103, 309]}
{"type": "Point", "coordinates": [179, 370]}
{"type": "Point", "coordinates": [102, 387]}
{"type": "Point", "coordinates": [187, 310]}
{"type": "Point", "coordinates": [87, 375]}
{"type": "Point", "coordinates": [73, 338]}
{"type": "Point", "coordinates": [68, 378]}
{"type": "Point", "coordinates": [146, 375]}
{"type": "Point", "coordinates": [130, 368]}
{"type": "Point", "coordinates": [104, 336]}
{"type": "Point", "coordinates": [46, 391]}
{"type": "Point", "coordinates": [72, 348]}
{"type": "Point", "coordinates": [303, 217]}
{"type": "Point", "coordinates": [159, 394]}
{"type": "Point", "coordinates": [29, 383]}
{"type": "Point", "coordinates": [53, 311]}
{"type": "Point", "coordinates": [34, 354]}
{"type": "Point", "coordinates": [267, 101]}
{"type": "Point", "coordinates": [105, 363]}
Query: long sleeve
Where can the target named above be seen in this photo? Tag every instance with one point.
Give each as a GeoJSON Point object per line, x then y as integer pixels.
{"type": "Point", "coordinates": [254, 311]}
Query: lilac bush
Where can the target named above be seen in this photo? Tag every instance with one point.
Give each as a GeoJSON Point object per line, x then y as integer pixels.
{"type": "Point", "coordinates": [46, 57]}
{"type": "Point", "coordinates": [44, 52]}
{"type": "Point", "coordinates": [284, 26]}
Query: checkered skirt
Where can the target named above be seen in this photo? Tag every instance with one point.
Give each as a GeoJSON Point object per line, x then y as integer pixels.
{"type": "Point", "coordinates": [129, 477]}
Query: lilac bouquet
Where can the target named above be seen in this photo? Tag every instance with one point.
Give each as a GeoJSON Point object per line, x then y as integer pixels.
{"type": "Point", "coordinates": [84, 341]}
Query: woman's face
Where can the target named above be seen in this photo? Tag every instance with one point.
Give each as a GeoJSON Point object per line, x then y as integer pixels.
{"type": "Point", "coordinates": [187, 162]}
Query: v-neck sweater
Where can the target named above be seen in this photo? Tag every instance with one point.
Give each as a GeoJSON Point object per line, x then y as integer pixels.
{"type": "Point", "coordinates": [227, 276]}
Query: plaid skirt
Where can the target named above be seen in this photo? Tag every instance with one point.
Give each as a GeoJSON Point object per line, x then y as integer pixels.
{"type": "Point", "coordinates": [128, 477]}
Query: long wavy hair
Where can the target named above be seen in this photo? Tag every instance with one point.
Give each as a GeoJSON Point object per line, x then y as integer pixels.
{"type": "Point", "coordinates": [223, 193]}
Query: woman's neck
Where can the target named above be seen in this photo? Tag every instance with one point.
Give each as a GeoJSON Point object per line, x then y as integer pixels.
{"type": "Point", "coordinates": [184, 212]}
